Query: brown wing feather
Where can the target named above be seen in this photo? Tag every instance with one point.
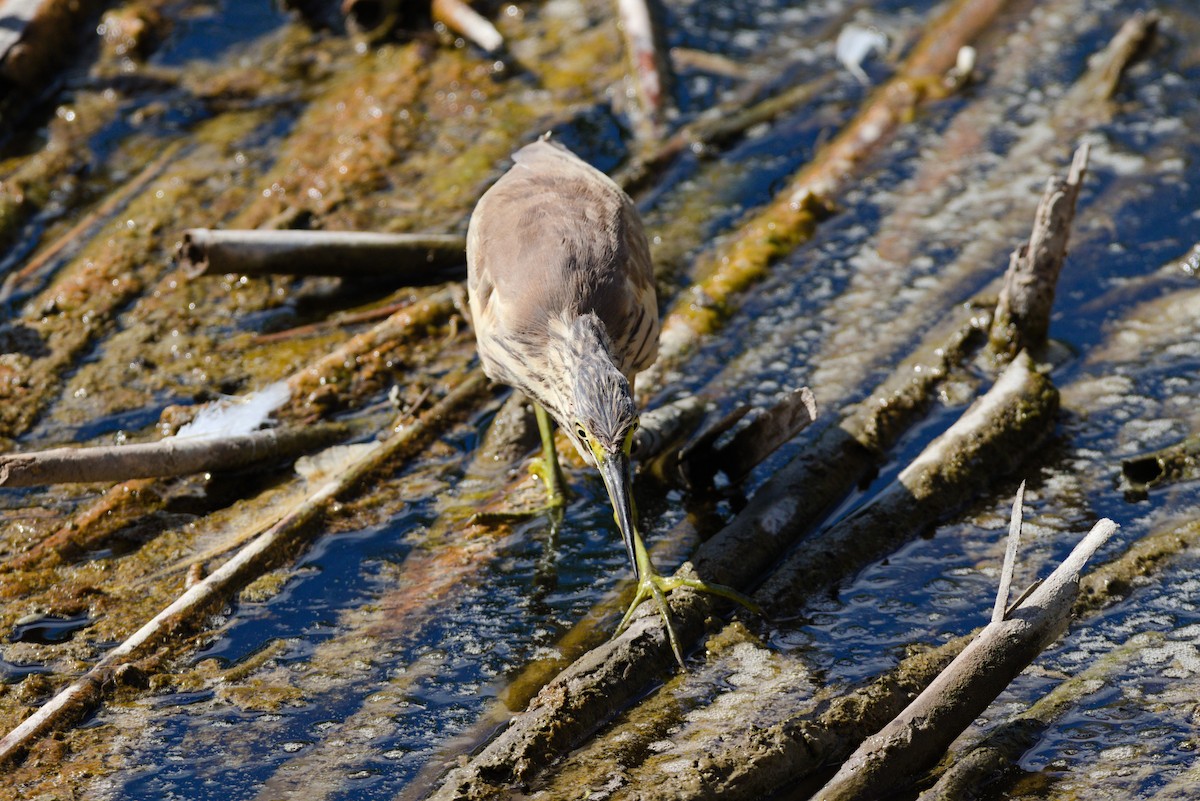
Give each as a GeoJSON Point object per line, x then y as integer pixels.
{"type": "Point", "coordinates": [555, 235]}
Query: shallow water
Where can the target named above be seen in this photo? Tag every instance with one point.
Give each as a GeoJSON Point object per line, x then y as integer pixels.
{"type": "Point", "coordinates": [394, 633]}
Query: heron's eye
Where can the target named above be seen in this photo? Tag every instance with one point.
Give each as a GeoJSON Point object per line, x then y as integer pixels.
{"type": "Point", "coordinates": [582, 434]}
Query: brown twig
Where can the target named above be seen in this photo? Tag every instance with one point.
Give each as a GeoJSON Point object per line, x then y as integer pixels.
{"type": "Point", "coordinates": [406, 259]}
{"type": "Point", "coordinates": [330, 371]}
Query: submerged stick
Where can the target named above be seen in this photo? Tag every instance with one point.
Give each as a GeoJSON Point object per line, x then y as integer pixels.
{"type": "Point", "coordinates": [173, 456]}
{"type": "Point", "coordinates": [918, 737]}
{"type": "Point", "coordinates": [714, 128]}
{"type": "Point", "coordinates": [1022, 317]}
{"type": "Point", "coordinates": [80, 697]}
{"type": "Point", "coordinates": [996, 434]}
{"type": "Point", "coordinates": [331, 372]}
{"type": "Point", "coordinates": [404, 258]}
{"type": "Point", "coordinates": [80, 230]}
{"type": "Point", "coordinates": [1106, 67]}
{"type": "Point", "coordinates": [1178, 462]}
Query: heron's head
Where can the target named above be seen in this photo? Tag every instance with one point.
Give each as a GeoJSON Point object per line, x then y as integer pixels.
{"type": "Point", "coordinates": [605, 422]}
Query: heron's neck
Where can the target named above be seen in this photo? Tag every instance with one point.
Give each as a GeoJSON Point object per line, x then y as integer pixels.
{"type": "Point", "coordinates": [580, 348]}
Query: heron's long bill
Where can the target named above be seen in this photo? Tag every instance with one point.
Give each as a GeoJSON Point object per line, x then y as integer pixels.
{"type": "Point", "coordinates": [614, 468]}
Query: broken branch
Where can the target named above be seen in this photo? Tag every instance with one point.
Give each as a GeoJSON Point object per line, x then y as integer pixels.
{"type": "Point", "coordinates": [918, 737]}
{"type": "Point", "coordinates": [404, 258]}
{"type": "Point", "coordinates": [468, 23]}
{"type": "Point", "coordinates": [1022, 317]}
{"type": "Point", "coordinates": [173, 456]}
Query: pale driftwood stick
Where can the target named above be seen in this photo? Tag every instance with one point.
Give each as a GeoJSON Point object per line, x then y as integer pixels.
{"type": "Point", "coordinates": [1023, 312]}
{"type": "Point", "coordinates": [80, 697]}
{"type": "Point", "coordinates": [173, 456]}
{"type": "Point", "coordinates": [995, 435]}
{"type": "Point", "coordinates": [649, 65]}
{"type": "Point", "coordinates": [712, 63]}
{"type": "Point", "coordinates": [400, 258]}
{"type": "Point", "coordinates": [795, 747]}
{"type": "Point", "coordinates": [917, 738]}
{"type": "Point", "coordinates": [1010, 556]}
{"type": "Point", "coordinates": [788, 751]}
{"type": "Point", "coordinates": [1003, 747]}
{"type": "Point", "coordinates": [468, 23]}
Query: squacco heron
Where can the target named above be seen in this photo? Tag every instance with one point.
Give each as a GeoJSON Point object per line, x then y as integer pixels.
{"type": "Point", "coordinates": [562, 294]}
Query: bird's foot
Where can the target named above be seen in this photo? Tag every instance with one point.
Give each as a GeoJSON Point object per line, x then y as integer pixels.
{"type": "Point", "coordinates": [652, 585]}
{"type": "Point", "coordinates": [550, 474]}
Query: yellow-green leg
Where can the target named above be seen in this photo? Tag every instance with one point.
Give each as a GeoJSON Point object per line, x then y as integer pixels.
{"type": "Point", "coordinates": [652, 585]}
{"type": "Point", "coordinates": [547, 466]}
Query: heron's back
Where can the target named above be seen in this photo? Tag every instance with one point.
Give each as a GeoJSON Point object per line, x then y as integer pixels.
{"type": "Point", "coordinates": [555, 237]}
